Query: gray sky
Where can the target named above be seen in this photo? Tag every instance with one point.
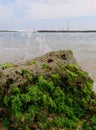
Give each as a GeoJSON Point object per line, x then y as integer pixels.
{"type": "Point", "coordinates": [47, 14]}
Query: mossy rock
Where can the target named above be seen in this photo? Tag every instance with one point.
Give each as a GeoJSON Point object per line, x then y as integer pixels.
{"type": "Point", "coordinates": [59, 96]}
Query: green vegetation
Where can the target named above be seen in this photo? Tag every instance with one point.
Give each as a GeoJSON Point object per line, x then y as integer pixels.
{"type": "Point", "coordinates": [25, 72]}
{"type": "Point", "coordinates": [46, 66]}
{"type": "Point", "coordinates": [31, 63]}
{"type": "Point", "coordinates": [7, 65]}
{"type": "Point", "coordinates": [61, 100]}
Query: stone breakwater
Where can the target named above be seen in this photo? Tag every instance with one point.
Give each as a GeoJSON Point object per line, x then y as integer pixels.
{"type": "Point", "coordinates": [48, 92]}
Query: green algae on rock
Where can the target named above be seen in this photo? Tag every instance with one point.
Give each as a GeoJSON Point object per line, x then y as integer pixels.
{"type": "Point", "coordinates": [53, 97]}
{"type": "Point", "coordinates": [7, 65]}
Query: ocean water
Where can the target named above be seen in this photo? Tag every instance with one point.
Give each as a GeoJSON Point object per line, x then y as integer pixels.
{"type": "Point", "coordinates": [19, 47]}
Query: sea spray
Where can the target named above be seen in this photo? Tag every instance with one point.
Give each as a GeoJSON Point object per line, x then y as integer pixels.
{"type": "Point", "coordinates": [28, 48]}
{"type": "Point", "coordinates": [42, 47]}
{"type": "Point", "coordinates": [22, 46]}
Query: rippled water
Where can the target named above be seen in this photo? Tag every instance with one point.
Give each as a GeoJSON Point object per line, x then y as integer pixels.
{"type": "Point", "coordinates": [18, 47]}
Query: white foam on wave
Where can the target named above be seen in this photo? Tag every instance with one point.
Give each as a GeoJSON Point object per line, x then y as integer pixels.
{"type": "Point", "coordinates": [42, 47]}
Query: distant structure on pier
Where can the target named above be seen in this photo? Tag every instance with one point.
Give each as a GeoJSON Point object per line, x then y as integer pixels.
{"type": "Point", "coordinates": [67, 25]}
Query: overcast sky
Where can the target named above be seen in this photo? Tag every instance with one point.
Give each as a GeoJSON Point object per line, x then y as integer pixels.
{"type": "Point", "coordinates": [47, 14]}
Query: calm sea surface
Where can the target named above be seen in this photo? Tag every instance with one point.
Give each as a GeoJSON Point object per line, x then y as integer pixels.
{"type": "Point", "coordinates": [18, 47]}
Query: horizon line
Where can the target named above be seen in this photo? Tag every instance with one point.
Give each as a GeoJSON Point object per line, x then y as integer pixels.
{"type": "Point", "coordinates": [51, 30]}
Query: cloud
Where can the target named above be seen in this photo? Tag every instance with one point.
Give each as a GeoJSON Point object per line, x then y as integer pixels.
{"type": "Point", "coordinates": [50, 9]}
{"type": "Point", "coordinates": [47, 9]}
{"type": "Point", "coordinates": [24, 11]}
{"type": "Point", "coordinates": [5, 12]}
